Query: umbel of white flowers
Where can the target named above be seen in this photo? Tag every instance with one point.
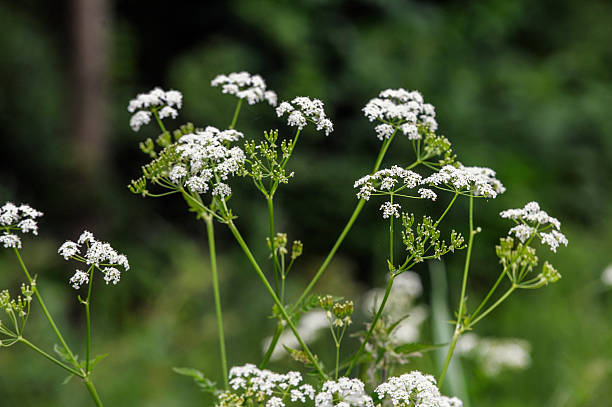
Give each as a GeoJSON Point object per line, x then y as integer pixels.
{"type": "Point", "coordinates": [243, 85]}
{"type": "Point", "coordinates": [17, 218]}
{"type": "Point", "coordinates": [156, 102]}
{"type": "Point", "coordinates": [303, 110]}
{"type": "Point", "coordinates": [96, 254]}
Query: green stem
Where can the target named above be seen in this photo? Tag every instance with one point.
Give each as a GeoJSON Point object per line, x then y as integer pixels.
{"type": "Point", "coordinates": [373, 324]}
{"type": "Point", "coordinates": [88, 318]}
{"type": "Point", "coordinates": [271, 346]}
{"type": "Point", "coordinates": [391, 218]}
{"type": "Point", "coordinates": [215, 280]}
{"type": "Point", "coordinates": [458, 326]}
{"type": "Point", "coordinates": [275, 298]}
{"type": "Point", "coordinates": [51, 358]}
{"type": "Point", "coordinates": [159, 122]}
{"type": "Point", "coordinates": [275, 267]}
{"type": "Point", "coordinates": [46, 312]}
{"type": "Point", "coordinates": [236, 111]}
{"type": "Point", "coordinates": [337, 359]}
{"type": "Point", "coordinates": [92, 391]}
{"type": "Point", "coordinates": [492, 307]}
{"type": "Point", "coordinates": [490, 293]}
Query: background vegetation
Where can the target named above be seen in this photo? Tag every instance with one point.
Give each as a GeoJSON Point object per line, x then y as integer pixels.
{"type": "Point", "coordinates": [521, 86]}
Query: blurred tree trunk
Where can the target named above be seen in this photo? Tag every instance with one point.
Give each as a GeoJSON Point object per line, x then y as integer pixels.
{"type": "Point", "coordinates": [91, 29]}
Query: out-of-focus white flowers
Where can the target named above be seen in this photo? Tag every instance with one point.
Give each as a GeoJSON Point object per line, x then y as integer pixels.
{"type": "Point", "coordinates": [531, 220]}
{"type": "Point", "coordinates": [399, 109]}
{"type": "Point", "coordinates": [494, 355]}
{"type": "Point", "coordinates": [160, 102]}
{"type": "Point", "coordinates": [14, 218]}
{"type": "Point", "coordinates": [311, 324]}
{"type": "Point", "coordinates": [96, 254]}
{"type": "Point", "coordinates": [243, 85]}
{"type": "Point", "coordinates": [606, 275]}
{"type": "Point", "coordinates": [344, 392]}
{"type": "Point", "coordinates": [203, 160]}
{"type": "Point", "coordinates": [302, 110]}
{"type": "Point", "coordinates": [414, 389]}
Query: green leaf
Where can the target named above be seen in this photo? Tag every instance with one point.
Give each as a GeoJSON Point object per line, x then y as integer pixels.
{"type": "Point", "coordinates": [202, 382]}
{"type": "Point", "coordinates": [93, 362]}
{"type": "Point", "coordinates": [61, 352]}
{"type": "Point", "coordinates": [418, 347]}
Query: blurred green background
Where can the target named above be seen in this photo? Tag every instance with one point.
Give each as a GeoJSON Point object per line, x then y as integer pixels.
{"type": "Point", "coordinates": [524, 87]}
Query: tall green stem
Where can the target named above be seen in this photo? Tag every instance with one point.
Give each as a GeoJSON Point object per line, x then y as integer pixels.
{"type": "Point", "coordinates": [492, 307]}
{"type": "Point", "coordinates": [236, 111]}
{"type": "Point", "coordinates": [271, 346]}
{"type": "Point", "coordinates": [92, 391]}
{"type": "Point", "coordinates": [275, 267]}
{"type": "Point", "coordinates": [459, 324]}
{"type": "Point", "coordinates": [47, 314]}
{"type": "Point", "coordinates": [373, 324]}
{"type": "Point", "coordinates": [215, 280]}
{"type": "Point", "coordinates": [159, 122]}
{"type": "Point", "coordinates": [88, 319]}
{"type": "Point", "coordinates": [275, 298]}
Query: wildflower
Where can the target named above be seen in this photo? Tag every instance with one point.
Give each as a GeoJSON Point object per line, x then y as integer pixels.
{"type": "Point", "coordinates": [479, 181]}
{"type": "Point", "coordinates": [157, 101]}
{"type": "Point", "coordinates": [17, 218]}
{"type": "Point", "coordinates": [345, 392]}
{"type": "Point", "coordinates": [390, 209]}
{"type": "Point", "coordinates": [94, 253]}
{"type": "Point", "coordinates": [531, 220]}
{"type": "Point", "coordinates": [243, 85]}
{"type": "Point", "coordinates": [385, 181]}
{"type": "Point", "coordinates": [403, 110]}
{"type": "Point", "coordinates": [264, 386]}
{"type": "Point", "coordinates": [303, 110]}
{"type": "Point", "coordinates": [414, 389]}
{"type": "Point", "coordinates": [426, 193]}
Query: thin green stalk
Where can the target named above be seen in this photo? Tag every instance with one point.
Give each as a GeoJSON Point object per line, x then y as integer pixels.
{"type": "Point", "coordinates": [51, 358]}
{"type": "Point", "coordinates": [236, 111]}
{"type": "Point", "coordinates": [88, 318]}
{"type": "Point", "coordinates": [489, 294]}
{"type": "Point", "coordinates": [458, 326]}
{"type": "Point", "coordinates": [270, 200]}
{"type": "Point", "coordinates": [275, 298]}
{"type": "Point", "coordinates": [46, 312]}
{"type": "Point", "coordinates": [215, 280]}
{"type": "Point", "coordinates": [159, 122]}
{"type": "Point", "coordinates": [492, 307]}
{"type": "Point", "coordinates": [373, 324]}
{"type": "Point", "coordinates": [391, 218]}
{"type": "Point", "coordinates": [271, 346]}
{"type": "Point", "coordinates": [92, 391]}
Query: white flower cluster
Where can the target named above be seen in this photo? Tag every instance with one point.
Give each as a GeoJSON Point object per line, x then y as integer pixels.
{"type": "Point", "coordinates": [495, 354]}
{"type": "Point", "coordinates": [345, 392]}
{"type": "Point", "coordinates": [391, 180]}
{"type": "Point", "coordinates": [265, 385]}
{"type": "Point", "coordinates": [164, 103]}
{"type": "Point", "coordinates": [96, 253]}
{"type": "Point", "coordinates": [532, 220]}
{"type": "Point", "coordinates": [480, 181]}
{"type": "Point", "coordinates": [403, 110]}
{"type": "Point", "coordinates": [407, 287]}
{"type": "Point", "coordinates": [606, 276]}
{"type": "Point", "coordinates": [204, 159]}
{"type": "Point", "coordinates": [243, 85]}
{"type": "Point", "coordinates": [415, 389]}
{"type": "Point", "coordinates": [17, 218]}
{"type": "Point", "coordinates": [303, 109]}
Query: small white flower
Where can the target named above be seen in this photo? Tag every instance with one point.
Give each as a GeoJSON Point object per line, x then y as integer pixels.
{"type": "Point", "coordinates": [414, 389]}
{"type": "Point", "coordinates": [386, 180]}
{"type": "Point", "coordinates": [426, 193]}
{"type": "Point", "coordinates": [111, 275]}
{"type": "Point", "coordinates": [222, 190]}
{"type": "Point", "coordinates": [554, 239]}
{"type": "Point", "coordinates": [68, 249]}
{"type": "Point", "coordinates": [348, 392]}
{"type": "Point", "coordinates": [10, 241]}
{"type": "Point", "coordinates": [522, 232]}
{"type": "Point", "coordinates": [303, 109]}
{"type": "Point", "coordinates": [384, 131]}
{"type": "Point", "coordinates": [243, 85]}
{"type": "Point", "coordinates": [480, 181]}
{"type": "Point", "coordinates": [390, 209]}
{"type": "Point", "coordinates": [78, 279]}
{"type": "Point", "coordinates": [139, 119]}
{"type": "Point", "coordinates": [167, 111]}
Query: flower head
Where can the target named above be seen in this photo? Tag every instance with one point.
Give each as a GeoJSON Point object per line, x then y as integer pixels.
{"type": "Point", "coordinates": [243, 85]}
{"type": "Point", "coordinates": [401, 110]}
{"type": "Point", "coordinates": [414, 389]}
{"type": "Point", "coordinates": [97, 255]}
{"type": "Point", "coordinates": [386, 181]}
{"type": "Point", "coordinates": [303, 110]}
{"type": "Point", "coordinates": [344, 392]}
{"type": "Point", "coordinates": [479, 181]}
{"type": "Point", "coordinates": [532, 221]}
{"type": "Point", "coordinates": [15, 218]}
{"type": "Point", "coordinates": [157, 101]}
